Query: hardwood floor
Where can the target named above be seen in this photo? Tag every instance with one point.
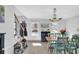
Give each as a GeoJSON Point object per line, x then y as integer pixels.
{"type": "Point", "coordinates": [39, 48]}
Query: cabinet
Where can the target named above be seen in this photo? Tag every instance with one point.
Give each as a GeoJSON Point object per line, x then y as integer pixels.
{"type": "Point", "coordinates": [44, 35]}
{"type": "Point", "coordinates": [1, 43]}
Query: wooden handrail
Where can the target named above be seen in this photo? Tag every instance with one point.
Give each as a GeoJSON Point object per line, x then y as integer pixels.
{"type": "Point", "coordinates": [16, 18]}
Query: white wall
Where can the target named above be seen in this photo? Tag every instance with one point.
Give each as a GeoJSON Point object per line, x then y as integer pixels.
{"type": "Point", "coordinates": [2, 28]}
{"type": "Point", "coordinates": [9, 29]}
{"type": "Point", "coordinates": [72, 25]}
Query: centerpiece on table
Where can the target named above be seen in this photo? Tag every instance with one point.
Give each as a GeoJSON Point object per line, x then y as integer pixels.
{"type": "Point", "coordinates": [63, 31]}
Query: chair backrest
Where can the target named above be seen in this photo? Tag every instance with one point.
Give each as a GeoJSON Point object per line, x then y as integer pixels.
{"type": "Point", "coordinates": [63, 40]}
{"type": "Point", "coordinates": [75, 38]}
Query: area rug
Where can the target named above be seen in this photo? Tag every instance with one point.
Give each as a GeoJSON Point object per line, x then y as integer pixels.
{"type": "Point", "coordinates": [36, 44]}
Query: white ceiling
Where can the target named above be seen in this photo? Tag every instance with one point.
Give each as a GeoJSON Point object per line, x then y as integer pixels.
{"type": "Point", "coordinates": [46, 11]}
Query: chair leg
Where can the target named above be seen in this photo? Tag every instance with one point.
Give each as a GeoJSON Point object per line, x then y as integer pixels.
{"type": "Point", "coordinates": [76, 51]}
{"type": "Point", "coordinates": [50, 51]}
{"type": "Point", "coordinates": [71, 51]}
{"type": "Point", "coordinates": [64, 51]}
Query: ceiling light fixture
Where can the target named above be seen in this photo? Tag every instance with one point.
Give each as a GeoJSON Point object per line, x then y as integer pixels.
{"type": "Point", "coordinates": [54, 19]}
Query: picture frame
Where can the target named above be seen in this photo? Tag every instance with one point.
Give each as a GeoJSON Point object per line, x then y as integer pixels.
{"type": "Point", "coordinates": [2, 14]}
{"type": "Point", "coordinates": [34, 27]}
{"type": "Point", "coordinates": [44, 25]}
